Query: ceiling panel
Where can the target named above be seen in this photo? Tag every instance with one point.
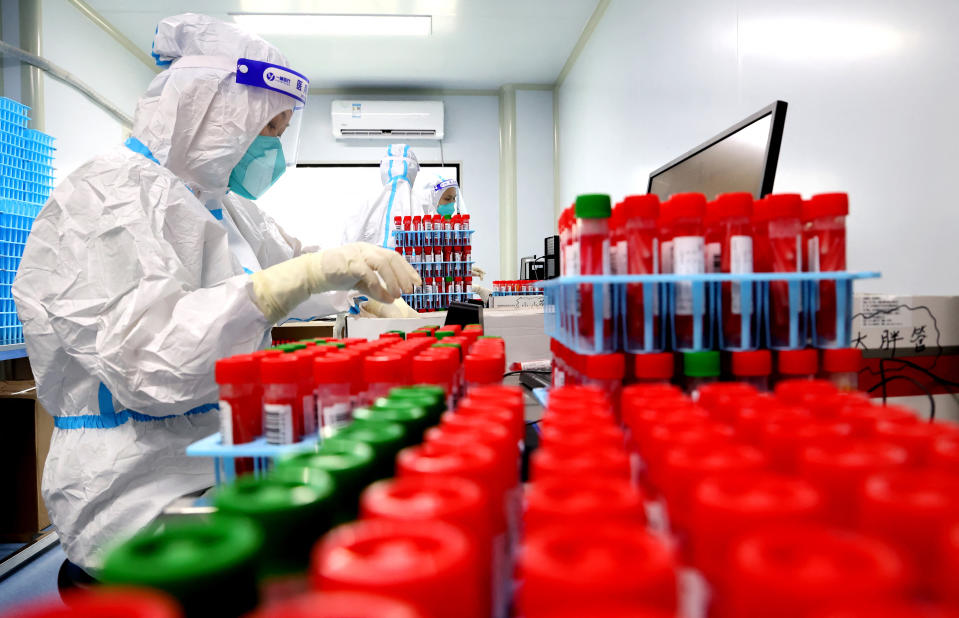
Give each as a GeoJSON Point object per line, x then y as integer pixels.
{"type": "Point", "coordinates": [475, 43]}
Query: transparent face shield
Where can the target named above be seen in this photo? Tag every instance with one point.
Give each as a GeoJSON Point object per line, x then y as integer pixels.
{"type": "Point", "coordinates": [288, 82]}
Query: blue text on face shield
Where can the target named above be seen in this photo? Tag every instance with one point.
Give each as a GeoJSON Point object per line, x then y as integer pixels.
{"type": "Point", "coordinates": [262, 164]}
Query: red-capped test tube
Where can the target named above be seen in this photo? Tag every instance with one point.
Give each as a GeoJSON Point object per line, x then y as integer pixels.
{"type": "Point", "coordinates": [841, 367]}
{"type": "Point", "coordinates": [824, 232]}
{"type": "Point", "coordinates": [777, 248]}
{"type": "Point", "coordinates": [642, 250]}
{"type": "Point", "coordinates": [733, 211]}
{"type": "Point", "coordinates": [682, 216]}
{"type": "Point", "coordinates": [331, 375]}
{"type": "Point", "coordinates": [753, 367]}
{"type": "Point", "coordinates": [282, 406]}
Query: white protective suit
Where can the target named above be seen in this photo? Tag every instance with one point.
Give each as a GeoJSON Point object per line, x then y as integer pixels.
{"type": "Point", "coordinates": [130, 289]}
{"type": "Point", "coordinates": [429, 190]}
{"type": "Point", "coordinates": [373, 223]}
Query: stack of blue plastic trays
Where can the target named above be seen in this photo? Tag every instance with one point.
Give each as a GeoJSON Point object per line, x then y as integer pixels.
{"type": "Point", "coordinates": [26, 180]}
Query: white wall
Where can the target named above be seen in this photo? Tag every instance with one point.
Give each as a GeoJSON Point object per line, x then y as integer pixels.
{"type": "Point", "coordinates": [872, 96]}
{"type": "Point", "coordinates": [472, 139]}
{"type": "Point", "coordinates": [74, 43]}
{"type": "Point", "coordinates": [534, 170]}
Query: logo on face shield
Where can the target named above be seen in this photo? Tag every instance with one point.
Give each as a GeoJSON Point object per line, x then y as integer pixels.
{"type": "Point", "coordinates": [270, 76]}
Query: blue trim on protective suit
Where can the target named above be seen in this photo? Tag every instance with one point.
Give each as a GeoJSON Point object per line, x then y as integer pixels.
{"type": "Point", "coordinates": [140, 148]}
{"type": "Point", "coordinates": [389, 207]}
{"type": "Point", "coordinates": [156, 56]}
{"type": "Point", "coordinates": [217, 214]}
{"type": "Point", "coordinates": [110, 418]}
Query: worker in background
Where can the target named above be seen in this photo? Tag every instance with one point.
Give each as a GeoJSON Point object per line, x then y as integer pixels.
{"type": "Point", "coordinates": [141, 272]}
{"type": "Point", "coordinates": [436, 194]}
{"type": "Point", "coordinates": [372, 224]}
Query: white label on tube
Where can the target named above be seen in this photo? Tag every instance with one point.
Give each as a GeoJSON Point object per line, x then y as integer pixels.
{"type": "Point", "coordinates": [656, 271]}
{"type": "Point", "coordinates": [740, 261]}
{"type": "Point", "coordinates": [309, 414]}
{"type": "Point", "coordinates": [574, 260]}
{"type": "Point", "coordinates": [688, 259]}
{"type": "Point", "coordinates": [812, 254]}
{"type": "Point", "coordinates": [621, 258]}
{"type": "Point", "coordinates": [335, 415]}
{"type": "Point", "coordinates": [607, 300]}
{"type": "Point", "coordinates": [278, 423]}
{"type": "Point", "coordinates": [714, 257]}
{"type": "Point", "coordinates": [226, 423]}
{"type": "Point", "coordinates": [666, 251]}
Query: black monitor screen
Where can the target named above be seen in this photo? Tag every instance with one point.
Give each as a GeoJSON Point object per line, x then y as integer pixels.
{"type": "Point", "coordinates": [741, 158]}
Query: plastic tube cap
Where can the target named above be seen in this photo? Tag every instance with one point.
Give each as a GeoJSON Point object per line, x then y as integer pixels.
{"type": "Point", "coordinates": [733, 205]}
{"type": "Point", "coordinates": [826, 205]}
{"type": "Point", "coordinates": [725, 508]}
{"type": "Point", "coordinates": [842, 360]}
{"type": "Point", "coordinates": [778, 206]}
{"type": "Point", "coordinates": [566, 565]}
{"type": "Point", "coordinates": [279, 369]}
{"type": "Point", "coordinates": [589, 501]}
{"type": "Point", "coordinates": [593, 206]}
{"type": "Point", "coordinates": [641, 206]}
{"type": "Point", "coordinates": [332, 369]}
{"type": "Point", "coordinates": [605, 366]}
{"type": "Point", "coordinates": [434, 567]}
{"type": "Point", "coordinates": [655, 366]}
{"type": "Point", "coordinates": [383, 368]}
{"type": "Point", "coordinates": [338, 605]}
{"type": "Point", "coordinates": [701, 364]}
{"type": "Point", "coordinates": [683, 206]}
{"type": "Point", "coordinates": [349, 462]}
{"type": "Point", "coordinates": [793, 570]}
{"type": "Point", "coordinates": [243, 368]}
{"type": "Point", "coordinates": [102, 602]}
{"type": "Point", "coordinates": [753, 363]}
{"type": "Point", "coordinates": [798, 362]}
{"type": "Point", "coordinates": [484, 369]}
{"type": "Point", "coordinates": [571, 463]}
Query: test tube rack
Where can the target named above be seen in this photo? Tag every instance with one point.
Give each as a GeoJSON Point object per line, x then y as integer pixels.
{"type": "Point", "coordinates": [444, 270]}
{"type": "Point", "coordinates": [262, 454]}
{"type": "Point", "coordinates": [608, 295]}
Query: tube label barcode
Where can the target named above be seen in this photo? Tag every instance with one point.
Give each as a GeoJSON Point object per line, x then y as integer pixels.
{"type": "Point", "coordinates": [278, 423]}
{"type": "Point", "coordinates": [226, 423]}
{"type": "Point", "coordinates": [336, 415]}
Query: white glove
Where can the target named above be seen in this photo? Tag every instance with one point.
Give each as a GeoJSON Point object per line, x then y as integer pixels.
{"type": "Point", "coordinates": [379, 273]}
{"type": "Point", "coordinates": [397, 309]}
{"type": "Point", "coordinates": [484, 293]}
{"type": "Point", "coordinates": [477, 271]}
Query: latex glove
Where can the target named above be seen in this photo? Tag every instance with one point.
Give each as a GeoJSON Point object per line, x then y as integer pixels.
{"type": "Point", "coordinates": [376, 272]}
{"type": "Point", "coordinates": [397, 309]}
{"type": "Point", "coordinates": [484, 293]}
{"type": "Point", "coordinates": [477, 272]}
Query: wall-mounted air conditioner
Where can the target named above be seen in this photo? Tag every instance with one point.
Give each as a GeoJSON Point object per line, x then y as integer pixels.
{"type": "Point", "coordinates": [402, 120]}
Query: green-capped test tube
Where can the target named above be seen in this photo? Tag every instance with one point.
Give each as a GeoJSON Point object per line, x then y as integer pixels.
{"type": "Point", "coordinates": [443, 334]}
{"type": "Point", "coordinates": [291, 514]}
{"type": "Point", "coordinates": [351, 464]}
{"type": "Point", "coordinates": [208, 565]}
{"type": "Point", "coordinates": [432, 397]}
{"type": "Point", "coordinates": [415, 419]}
{"type": "Point", "coordinates": [386, 439]}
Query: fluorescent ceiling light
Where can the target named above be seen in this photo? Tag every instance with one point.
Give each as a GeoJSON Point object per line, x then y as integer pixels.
{"type": "Point", "coordinates": [316, 24]}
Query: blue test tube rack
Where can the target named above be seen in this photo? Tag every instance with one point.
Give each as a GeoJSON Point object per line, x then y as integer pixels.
{"type": "Point", "coordinates": [610, 296]}
{"type": "Point", "coordinates": [258, 450]}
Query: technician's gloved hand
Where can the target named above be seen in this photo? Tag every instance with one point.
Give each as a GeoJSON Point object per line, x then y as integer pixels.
{"type": "Point", "coordinates": [483, 293]}
{"type": "Point", "coordinates": [477, 272]}
{"type": "Point", "coordinates": [396, 309]}
{"type": "Point", "coordinates": [376, 272]}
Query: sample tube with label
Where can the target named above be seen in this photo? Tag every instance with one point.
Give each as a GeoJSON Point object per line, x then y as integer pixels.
{"type": "Point", "coordinates": [733, 213]}
{"type": "Point", "coordinates": [682, 215]}
{"type": "Point", "coordinates": [592, 219]}
{"type": "Point", "coordinates": [824, 231]}
{"type": "Point", "coordinates": [331, 375]}
{"type": "Point", "coordinates": [642, 258]}
{"type": "Point", "coordinates": [241, 411]}
{"type": "Point", "coordinates": [777, 248]}
{"type": "Point", "coordinates": [282, 407]}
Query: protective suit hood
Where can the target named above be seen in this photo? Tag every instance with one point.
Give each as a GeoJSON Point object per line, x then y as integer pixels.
{"type": "Point", "coordinates": [430, 189]}
{"type": "Point", "coordinates": [400, 162]}
{"type": "Point", "coordinates": [194, 118]}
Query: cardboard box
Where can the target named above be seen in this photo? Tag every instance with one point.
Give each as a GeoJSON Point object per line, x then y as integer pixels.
{"type": "Point", "coordinates": [23, 450]}
{"type": "Point", "coordinates": [295, 331]}
{"type": "Point", "coordinates": [522, 328]}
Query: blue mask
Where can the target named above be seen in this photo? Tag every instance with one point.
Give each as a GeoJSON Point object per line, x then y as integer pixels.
{"type": "Point", "coordinates": [446, 210]}
{"type": "Point", "coordinates": [262, 164]}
